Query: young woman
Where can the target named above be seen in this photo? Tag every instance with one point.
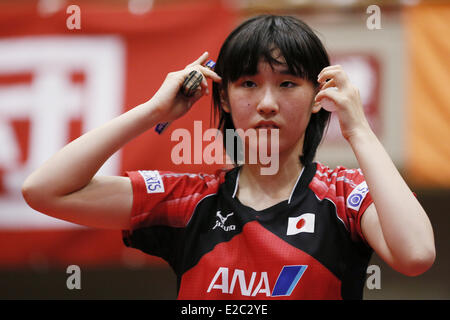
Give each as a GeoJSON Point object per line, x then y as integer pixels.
{"type": "Point", "coordinates": [305, 232]}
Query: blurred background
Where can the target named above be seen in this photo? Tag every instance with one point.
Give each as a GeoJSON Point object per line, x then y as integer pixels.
{"type": "Point", "coordinates": [66, 69]}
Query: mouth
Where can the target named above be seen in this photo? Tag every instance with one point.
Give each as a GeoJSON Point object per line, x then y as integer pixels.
{"type": "Point", "coordinates": [267, 125]}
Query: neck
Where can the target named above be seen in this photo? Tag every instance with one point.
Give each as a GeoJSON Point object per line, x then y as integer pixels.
{"type": "Point", "coordinates": [277, 186]}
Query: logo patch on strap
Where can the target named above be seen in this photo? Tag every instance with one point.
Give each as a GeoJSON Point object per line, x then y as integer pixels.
{"type": "Point", "coordinates": [357, 196]}
{"type": "Point", "coordinates": [153, 181]}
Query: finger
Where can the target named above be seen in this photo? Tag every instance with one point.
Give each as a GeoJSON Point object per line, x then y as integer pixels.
{"type": "Point", "coordinates": [210, 74]}
{"type": "Point", "coordinates": [338, 75]}
{"type": "Point", "coordinates": [328, 73]}
{"type": "Point", "coordinates": [328, 70]}
{"type": "Point", "coordinates": [206, 72]}
{"type": "Point", "coordinates": [328, 84]}
{"type": "Point", "coordinates": [333, 67]}
{"type": "Point", "coordinates": [204, 86]}
{"type": "Point", "coordinates": [204, 82]}
{"type": "Point", "coordinates": [192, 100]}
{"type": "Point", "coordinates": [197, 95]}
{"type": "Point", "coordinates": [330, 93]}
{"type": "Point", "coordinates": [202, 59]}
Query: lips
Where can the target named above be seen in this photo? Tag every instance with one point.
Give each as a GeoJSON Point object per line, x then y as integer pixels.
{"type": "Point", "coordinates": [267, 125]}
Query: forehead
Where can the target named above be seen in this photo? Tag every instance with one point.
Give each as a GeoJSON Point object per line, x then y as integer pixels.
{"type": "Point", "coordinates": [277, 65]}
{"type": "Point", "coordinates": [274, 62]}
{"type": "Point", "coordinates": [247, 59]}
{"type": "Point", "coordinates": [274, 66]}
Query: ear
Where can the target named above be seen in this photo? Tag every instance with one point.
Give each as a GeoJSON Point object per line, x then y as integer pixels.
{"type": "Point", "coordinates": [224, 102]}
{"type": "Point", "coordinates": [316, 107]}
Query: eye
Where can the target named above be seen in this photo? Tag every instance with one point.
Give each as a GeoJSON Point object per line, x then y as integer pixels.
{"type": "Point", "coordinates": [248, 84]}
{"type": "Point", "coordinates": [288, 84]}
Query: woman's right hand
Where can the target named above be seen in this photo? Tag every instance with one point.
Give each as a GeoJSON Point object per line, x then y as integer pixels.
{"type": "Point", "coordinates": [169, 100]}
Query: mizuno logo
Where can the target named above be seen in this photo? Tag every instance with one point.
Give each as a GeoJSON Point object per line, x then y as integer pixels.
{"type": "Point", "coordinates": [259, 282]}
{"type": "Point", "coordinates": [221, 222]}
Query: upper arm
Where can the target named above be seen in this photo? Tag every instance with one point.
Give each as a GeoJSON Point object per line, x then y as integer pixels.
{"type": "Point", "coordinates": [371, 229]}
{"type": "Point", "coordinates": [106, 202]}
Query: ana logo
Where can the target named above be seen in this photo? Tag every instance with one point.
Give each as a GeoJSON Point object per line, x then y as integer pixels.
{"type": "Point", "coordinates": [286, 282]}
{"type": "Point", "coordinates": [356, 197]}
{"type": "Point", "coordinates": [221, 222]}
{"type": "Point", "coordinates": [302, 223]}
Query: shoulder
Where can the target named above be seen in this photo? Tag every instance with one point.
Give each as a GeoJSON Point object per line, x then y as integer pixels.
{"type": "Point", "coordinates": [160, 181]}
{"type": "Point", "coordinates": [347, 190]}
{"type": "Point", "coordinates": [170, 198]}
{"type": "Point", "coordinates": [325, 171]}
{"type": "Point", "coordinates": [332, 182]}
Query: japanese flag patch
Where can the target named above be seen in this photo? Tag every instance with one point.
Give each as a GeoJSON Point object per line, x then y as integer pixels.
{"type": "Point", "coordinates": [303, 223]}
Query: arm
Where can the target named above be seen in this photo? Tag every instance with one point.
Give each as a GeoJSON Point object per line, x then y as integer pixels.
{"type": "Point", "coordinates": [395, 226]}
{"type": "Point", "coordinates": [65, 187]}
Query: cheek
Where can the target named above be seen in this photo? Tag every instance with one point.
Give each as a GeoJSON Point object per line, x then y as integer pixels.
{"type": "Point", "coordinates": [297, 108]}
{"type": "Point", "coordinates": [299, 123]}
{"type": "Point", "coordinates": [241, 112]}
{"type": "Point", "coordinates": [300, 107]}
{"type": "Point", "coordinates": [299, 116]}
{"type": "Point", "coordinates": [297, 120]}
{"type": "Point", "coordinates": [240, 119]}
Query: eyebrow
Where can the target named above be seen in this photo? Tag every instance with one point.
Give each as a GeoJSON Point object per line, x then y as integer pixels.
{"type": "Point", "coordinates": [286, 71]}
{"type": "Point", "coordinates": [281, 70]}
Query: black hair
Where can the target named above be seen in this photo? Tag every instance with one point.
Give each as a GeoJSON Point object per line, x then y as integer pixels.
{"type": "Point", "coordinates": [256, 39]}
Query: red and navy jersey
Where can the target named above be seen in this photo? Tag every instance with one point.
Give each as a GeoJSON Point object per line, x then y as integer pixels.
{"type": "Point", "coordinates": [309, 246]}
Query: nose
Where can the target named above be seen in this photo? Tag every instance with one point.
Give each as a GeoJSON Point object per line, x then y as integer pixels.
{"type": "Point", "coordinates": [268, 104]}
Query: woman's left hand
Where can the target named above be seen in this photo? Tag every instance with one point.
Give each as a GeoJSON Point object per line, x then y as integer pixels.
{"type": "Point", "coordinates": [346, 98]}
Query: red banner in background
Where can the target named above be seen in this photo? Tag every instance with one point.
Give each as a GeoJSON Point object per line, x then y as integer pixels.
{"type": "Point", "coordinates": [56, 83]}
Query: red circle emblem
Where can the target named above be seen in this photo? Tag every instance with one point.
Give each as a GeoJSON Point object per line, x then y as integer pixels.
{"type": "Point", "coordinates": [300, 223]}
